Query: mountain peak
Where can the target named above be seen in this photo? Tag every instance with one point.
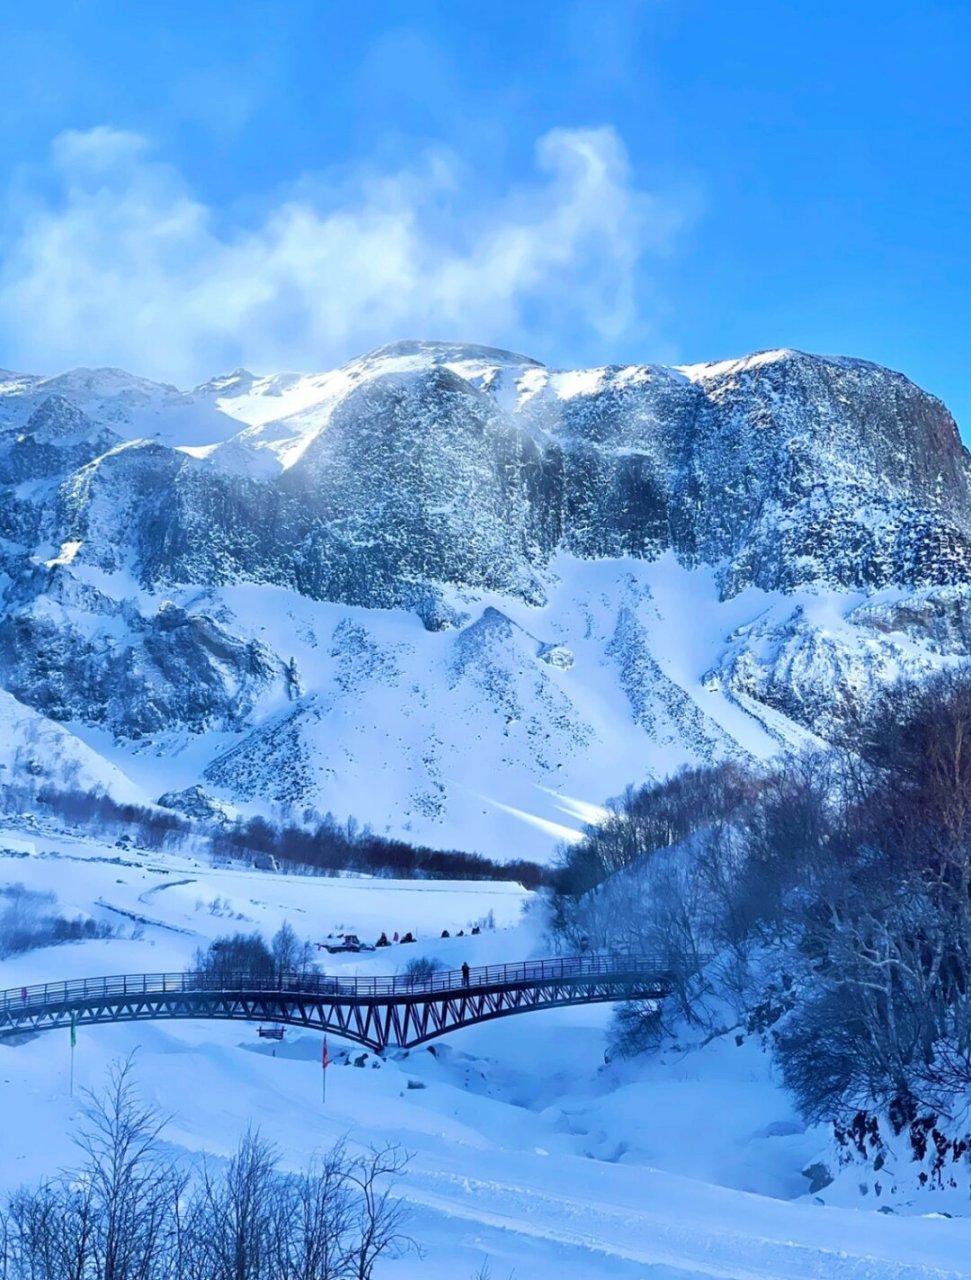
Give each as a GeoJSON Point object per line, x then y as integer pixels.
{"type": "Point", "coordinates": [239, 380]}
{"type": "Point", "coordinates": [447, 353]}
{"type": "Point", "coordinates": [56, 418]}
{"type": "Point", "coordinates": [106, 381]}
{"type": "Point", "coordinates": [775, 356]}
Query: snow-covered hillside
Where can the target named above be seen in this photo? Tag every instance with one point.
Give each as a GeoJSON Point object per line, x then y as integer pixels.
{"type": "Point", "coordinates": [527, 1151]}
{"type": "Point", "coordinates": [463, 597]}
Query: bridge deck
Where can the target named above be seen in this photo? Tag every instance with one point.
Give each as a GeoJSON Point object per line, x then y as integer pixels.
{"type": "Point", "coordinates": [400, 1009]}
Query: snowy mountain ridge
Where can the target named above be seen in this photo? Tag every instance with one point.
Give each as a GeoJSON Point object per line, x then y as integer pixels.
{"type": "Point", "coordinates": [460, 595]}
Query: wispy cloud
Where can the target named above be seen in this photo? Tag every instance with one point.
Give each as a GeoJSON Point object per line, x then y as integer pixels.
{"type": "Point", "coordinates": [112, 259]}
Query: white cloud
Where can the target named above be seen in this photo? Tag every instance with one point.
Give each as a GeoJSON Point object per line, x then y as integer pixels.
{"type": "Point", "coordinates": [123, 265]}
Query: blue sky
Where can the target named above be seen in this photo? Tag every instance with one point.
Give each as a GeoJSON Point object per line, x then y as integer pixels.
{"type": "Point", "coordinates": [194, 186]}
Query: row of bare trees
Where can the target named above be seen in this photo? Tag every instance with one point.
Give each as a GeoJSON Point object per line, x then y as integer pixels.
{"type": "Point", "coordinates": [829, 899]}
{"type": "Point", "coordinates": [130, 1212]}
{"type": "Point", "coordinates": [322, 844]}
{"type": "Point", "coordinates": [318, 844]}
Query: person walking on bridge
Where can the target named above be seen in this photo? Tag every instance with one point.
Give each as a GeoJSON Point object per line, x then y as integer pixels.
{"type": "Point", "coordinates": [465, 973]}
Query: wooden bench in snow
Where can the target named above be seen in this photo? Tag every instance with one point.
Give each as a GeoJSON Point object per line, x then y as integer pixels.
{"type": "Point", "coordinates": [270, 1033]}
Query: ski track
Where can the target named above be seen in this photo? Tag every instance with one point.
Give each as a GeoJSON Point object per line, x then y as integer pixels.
{"type": "Point", "coordinates": [149, 894]}
{"type": "Point", "coordinates": [601, 1229]}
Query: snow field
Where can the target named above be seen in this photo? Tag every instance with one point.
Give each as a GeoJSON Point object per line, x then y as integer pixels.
{"type": "Point", "coordinates": [527, 1150]}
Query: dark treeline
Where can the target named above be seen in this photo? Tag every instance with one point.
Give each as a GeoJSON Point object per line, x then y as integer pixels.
{"type": "Point", "coordinates": [97, 812]}
{"type": "Point", "coordinates": [828, 900]}
{"type": "Point", "coordinates": [321, 844]}
{"type": "Point", "coordinates": [131, 1212]}
{"type": "Point", "coordinates": [327, 846]}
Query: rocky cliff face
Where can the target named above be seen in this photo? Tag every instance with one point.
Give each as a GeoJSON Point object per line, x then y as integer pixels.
{"type": "Point", "coordinates": [481, 580]}
{"type": "Point", "coordinates": [421, 466]}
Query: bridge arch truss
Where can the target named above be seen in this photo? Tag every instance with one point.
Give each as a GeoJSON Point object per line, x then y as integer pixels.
{"type": "Point", "coordinates": [400, 1011]}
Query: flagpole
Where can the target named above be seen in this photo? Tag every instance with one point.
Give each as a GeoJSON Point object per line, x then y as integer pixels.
{"type": "Point", "coordinates": [74, 1040]}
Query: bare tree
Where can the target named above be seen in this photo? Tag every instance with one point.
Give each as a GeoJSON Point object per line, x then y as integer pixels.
{"type": "Point", "coordinates": [319, 1241]}
{"type": "Point", "coordinates": [290, 955]}
{"type": "Point", "coordinates": [131, 1186]}
{"type": "Point", "coordinates": [235, 1218]}
{"type": "Point", "coordinates": [113, 1218]}
{"type": "Point", "coordinates": [379, 1216]}
{"type": "Point", "coordinates": [330, 1222]}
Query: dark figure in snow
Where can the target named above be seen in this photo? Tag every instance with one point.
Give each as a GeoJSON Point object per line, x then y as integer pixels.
{"type": "Point", "coordinates": [476, 929]}
{"type": "Point", "coordinates": [465, 973]}
{"type": "Point", "coordinates": [396, 935]}
{"type": "Point", "coordinates": [446, 934]}
{"type": "Point", "coordinates": [408, 937]}
{"type": "Point", "coordinates": [383, 941]}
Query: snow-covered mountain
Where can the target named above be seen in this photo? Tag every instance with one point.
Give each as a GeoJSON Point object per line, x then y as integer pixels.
{"type": "Point", "coordinates": [460, 595]}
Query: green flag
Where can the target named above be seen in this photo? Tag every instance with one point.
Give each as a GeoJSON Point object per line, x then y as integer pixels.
{"type": "Point", "coordinates": [74, 1034]}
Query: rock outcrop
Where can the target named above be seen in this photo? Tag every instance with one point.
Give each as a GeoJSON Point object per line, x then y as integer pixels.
{"type": "Point", "coordinates": [442, 555]}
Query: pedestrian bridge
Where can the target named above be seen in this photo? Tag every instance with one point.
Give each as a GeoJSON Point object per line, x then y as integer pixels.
{"type": "Point", "coordinates": [401, 1011]}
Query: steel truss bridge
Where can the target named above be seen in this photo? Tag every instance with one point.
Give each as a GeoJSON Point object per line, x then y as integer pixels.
{"type": "Point", "coordinates": [402, 1011]}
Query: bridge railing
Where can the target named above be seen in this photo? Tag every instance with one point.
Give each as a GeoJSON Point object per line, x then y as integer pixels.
{"type": "Point", "coordinates": [525, 973]}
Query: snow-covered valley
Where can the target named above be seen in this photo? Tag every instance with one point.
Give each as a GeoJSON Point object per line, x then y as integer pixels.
{"type": "Point", "coordinates": [462, 599]}
{"type": "Point", "coordinates": [527, 1149]}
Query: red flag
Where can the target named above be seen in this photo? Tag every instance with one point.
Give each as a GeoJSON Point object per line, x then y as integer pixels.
{"type": "Point", "coordinates": [325, 1056]}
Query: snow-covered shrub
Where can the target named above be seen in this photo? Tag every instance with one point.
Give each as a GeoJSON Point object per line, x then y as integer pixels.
{"type": "Point", "coordinates": [250, 955]}
{"type": "Point", "coordinates": [29, 920]}
{"type": "Point", "coordinates": [422, 968]}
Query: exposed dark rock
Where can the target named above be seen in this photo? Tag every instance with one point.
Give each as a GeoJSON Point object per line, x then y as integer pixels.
{"type": "Point", "coordinates": [446, 480]}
